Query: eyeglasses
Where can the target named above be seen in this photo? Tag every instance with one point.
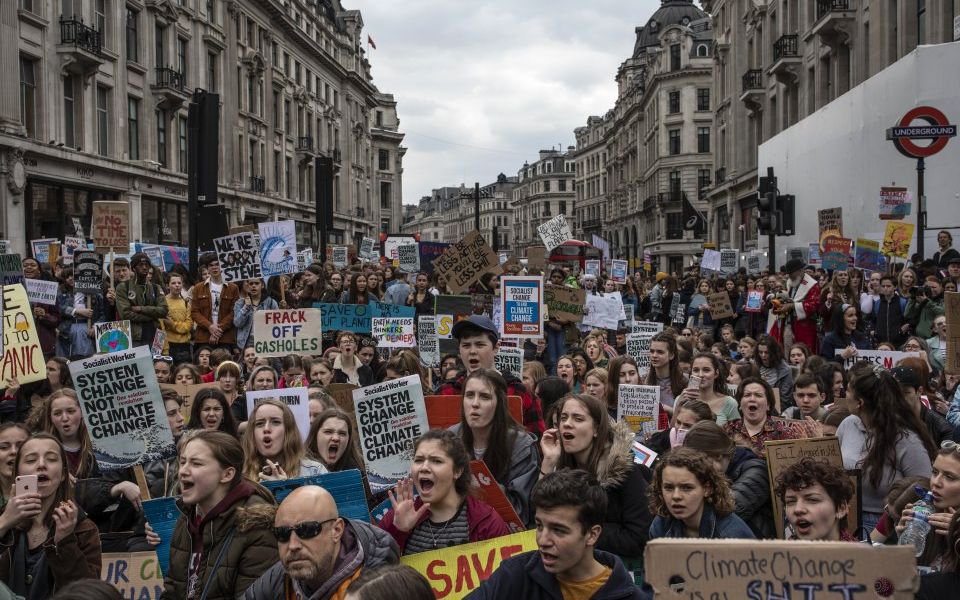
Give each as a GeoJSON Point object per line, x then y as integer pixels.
{"type": "Point", "coordinates": [368, 343]}
{"type": "Point", "coordinates": [305, 531]}
{"type": "Point", "coordinates": [950, 445]}
{"type": "Point", "coordinates": [157, 357]}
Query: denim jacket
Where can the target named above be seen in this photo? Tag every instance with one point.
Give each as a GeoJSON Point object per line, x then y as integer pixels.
{"type": "Point", "coordinates": [243, 318]}
{"type": "Point", "coordinates": [712, 526]}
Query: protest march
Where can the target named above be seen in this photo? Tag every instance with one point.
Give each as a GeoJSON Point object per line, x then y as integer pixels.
{"type": "Point", "coordinates": [475, 425]}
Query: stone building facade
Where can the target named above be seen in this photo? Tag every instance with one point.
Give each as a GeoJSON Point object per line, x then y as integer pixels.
{"type": "Point", "coordinates": [544, 189]}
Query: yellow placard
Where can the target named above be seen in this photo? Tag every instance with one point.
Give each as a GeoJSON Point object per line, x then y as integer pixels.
{"type": "Point", "coordinates": [22, 357]}
{"type": "Point", "coordinates": [897, 238]}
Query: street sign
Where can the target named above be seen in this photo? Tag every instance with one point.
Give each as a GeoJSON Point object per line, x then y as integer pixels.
{"type": "Point", "coordinates": [937, 129]}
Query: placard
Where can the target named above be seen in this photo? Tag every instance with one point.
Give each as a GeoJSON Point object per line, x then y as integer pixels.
{"type": "Point", "coordinates": [591, 267]}
{"type": "Point", "coordinates": [522, 300]}
{"type": "Point", "coordinates": [340, 256]}
{"type": "Point", "coordinates": [279, 332]}
{"type": "Point", "coordinates": [565, 303]}
{"type": "Point", "coordinates": [429, 252]}
{"type": "Point", "coordinates": [868, 256]}
{"type": "Point", "coordinates": [603, 312]}
{"type": "Point", "coordinates": [897, 239]}
{"type": "Point", "coordinates": [449, 310]}
{"type": "Point", "coordinates": [754, 302]}
{"type": "Point", "coordinates": [239, 256]}
{"type": "Point", "coordinates": [951, 305]}
{"type": "Point", "coordinates": [70, 245]}
{"type": "Point", "coordinates": [509, 360]}
{"type": "Point", "coordinates": [11, 269]}
{"type": "Point", "coordinates": [729, 261]}
{"type": "Point", "coordinates": [720, 307]}
{"type": "Point", "coordinates": [643, 455]}
{"type": "Point", "coordinates": [887, 359]}
{"type": "Point", "coordinates": [22, 355]}
{"type": "Point", "coordinates": [536, 257]}
{"type": "Point", "coordinates": [456, 571]}
{"type": "Point", "coordinates": [894, 203]}
{"type": "Point", "coordinates": [111, 226]}
{"type": "Point", "coordinates": [135, 574]}
{"type": "Point", "coordinates": [40, 291]}
{"type": "Point", "coordinates": [393, 332]}
{"type": "Point", "coordinates": [392, 244]}
{"type": "Point", "coordinates": [830, 223]}
{"type": "Point", "coordinates": [768, 569]}
{"type": "Point", "coordinates": [649, 327]}
{"type": "Point", "coordinates": [753, 263]}
{"type": "Point", "coordinates": [428, 344]}
{"type": "Point", "coordinates": [464, 262]}
{"type": "Point", "coordinates": [346, 487]}
{"type": "Point", "coordinates": [88, 273]}
{"type": "Point", "coordinates": [123, 409]}
{"type": "Point", "coordinates": [112, 336]}
{"type": "Point", "coordinates": [710, 261]}
{"type": "Point", "coordinates": [836, 253]}
{"type": "Point", "coordinates": [639, 407]}
{"type": "Point", "coordinates": [40, 249]}
{"type": "Point", "coordinates": [618, 271]}
{"type": "Point", "coordinates": [366, 248]}
{"type": "Point", "coordinates": [187, 392]}
{"type": "Point", "coordinates": [408, 256]}
{"type": "Point", "coordinates": [390, 416]}
{"type": "Point", "coordinates": [162, 514]}
{"type": "Point", "coordinates": [358, 317]}
{"type": "Point", "coordinates": [488, 490]}
{"type": "Point", "coordinates": [555, 232]}
{"type": "Point", "coordinates": [297, 400]}
{"type": "Point", "coordinates": [278, 248]}
{"type": "Point", "coordinates": [638, 347]}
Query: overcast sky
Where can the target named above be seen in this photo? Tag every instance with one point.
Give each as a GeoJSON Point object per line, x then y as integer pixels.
{"type": "Point", "coordinates": [482, 86]}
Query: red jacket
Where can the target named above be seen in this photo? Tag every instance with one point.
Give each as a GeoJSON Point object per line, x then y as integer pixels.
{"type": "Point", "coordinates": [532, 413]}
{"type": "Point", "coordinates": [483, 522]}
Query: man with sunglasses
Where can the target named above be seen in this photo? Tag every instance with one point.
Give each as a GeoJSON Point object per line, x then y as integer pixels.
{"type": "Point", "coordinates": [320, 553]}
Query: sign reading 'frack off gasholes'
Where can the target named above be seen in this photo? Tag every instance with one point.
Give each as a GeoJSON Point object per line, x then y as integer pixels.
{"type": "Point", "coordinates": [287, 331]}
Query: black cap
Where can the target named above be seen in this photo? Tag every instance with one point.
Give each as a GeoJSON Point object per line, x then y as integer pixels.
{"type": "Point", "coordinates": [475, 323]}
{"type": "Point", "coordinates": [954, 261]}
{"type": "Point", "coordinates": [793, 265]}
{"type": "Point", "coordinates": [906, 376]}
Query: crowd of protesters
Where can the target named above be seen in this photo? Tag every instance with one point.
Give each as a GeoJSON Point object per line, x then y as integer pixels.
{"type": "Point", "coordinates": [783, 366]}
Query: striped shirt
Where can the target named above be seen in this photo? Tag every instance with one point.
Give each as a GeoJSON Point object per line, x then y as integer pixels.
{"type": "Point", "coordinates": [431, 536]}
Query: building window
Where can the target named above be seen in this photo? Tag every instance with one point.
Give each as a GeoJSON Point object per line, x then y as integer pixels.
{"type": "Point", "coordinates": [276, 109]}
{"type": "Point", "coordinates": [103, 121]}
{"type": "Point", "coordinates": [100, 18]}
{"type": "Point", "coordinates": [28, 95]}
{"type": "Point", "coordinates": [133, 128]}
{"type": "Point", "coordinates": [182, 142]}
{"type": "Point", "coordinates": [674, 107]}
{"type": "Point", "coordinates": [161, 47]}
{"type": "Point", "coordinates": [162, 137]}
{"type": "Point", "coordinates": [921, 24]}
{"type": "Point", "coordinates": [69, 111]}
{"type": "Point", "coordinates": [378, 120]}
{"type": "Point", "coordinates": [287, 178]}
{"type": "Point", "coordinates": [286, 116]}
{"type": "Point", "coordinates": [675, 57]}
{"type": "Point", "coordinates": [703, 51]}
{"type": "Point", "coordinates": [674, 141]}
{"type": "Point", "coordinates": [675, 184]}
{"type": "Point", "coordinates": [703, 179]}
{"type": "Point", "coordinates": [562, 185]}
{"type": "Point", "coordinates": [133, 35]}
{"type": "Point", "coordinates": [674, 226]}
{"type": "Point", "coordinates": [212, 71]}
{"type": "Point", "coordinates": [212, 11]}
{"type": "Point", "coordinates": [383, 160]}
{"type": "Point", "coordinates": [386, 195]}
{"type": "Point", "coordinates": [546, 185]}
{"type": "Point", "coordinates": [703, 99]}
{"type": "Point", "coordinates": [703, 139]}
{"type": "Point", "coordinates": [277, 164]}
{"type": "Point", "coordinates": [26, 5]}
{"type": "Point", "coordinates": [182, 56]}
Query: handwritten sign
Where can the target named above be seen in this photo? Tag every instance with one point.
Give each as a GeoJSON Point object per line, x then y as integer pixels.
{"type": "Point", "coordinates": [555, 232]}
{"type": "Point", "coordinates": [22, 355]}
{"type": "Point", "coordinates": [836, 253]}
{"type": "Point", "coordinates": [720, 307]}
{"type": "Point", "coordinates": [122, 408]}
{"type": "Point", "coordinates": [358, 317]}
{"type": "Point", "coordinates": [111, 226]}
{"type": "Point", "coordinates": [390, 416]}
{"type": "Point", "coordinates": [187, 392]}
{"type": "Point", "coordinates": [40, 291]}
{"type": "Point", "coordinates": [710, 261]}
{"type": "Point", "coordinates": [768, 569]}
{"type": "Point", "coordinates": [239, 256]}
{"type": "Point", "coordinates": [296, 399]}
{"type": "Point", "coordinates": [868, 256]}
{"type": "Point", "coordinates": [112, 336]}
{"type": "Point", "coordinates": [11, 269]}
{"type": "Point", "coordinates": [393, 332]}
{"type": "Point", "coordinates": [456, 571]}
{"type": "Point", "coordinates": [894, 203]}
{"type": "Point", "coordinates": [887, 359]}
{"type": "Point", "coordinates": [830, 223]}
{"type": "Point", "coordinates": [522, 299]}
{"type": "Point", "coordinates": [565, 303]}
{"type": "Point", "coordinates": [464, 262]}
{"type": "Point", "coordinates": [639, 406]}
{"type": "Point", "coordinates": [508, 360]}
{"type": "Point", "coordinates": [408, 256]}
{"type": "Point", "coordinates": [536, 257]}
{"type": "Point", "coordinates": [287, 331]}
{"type": "Point", "coordinates": [603, 311]}
{"type": "Point", "coordinates": [278, 248]}
{"type": "Point", "coordinates": [897, 239]}
{"type": "Point", "coordinates": [134, 574]}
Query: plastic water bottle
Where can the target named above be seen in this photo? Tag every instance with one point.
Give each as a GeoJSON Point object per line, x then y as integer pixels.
{"type": "Point", "coordinates": [917, 529]}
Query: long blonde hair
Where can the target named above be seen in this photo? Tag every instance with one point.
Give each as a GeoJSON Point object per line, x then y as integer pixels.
{"type": "Point", "coordinates": [291, 453]}
{"type": "Point", "coordinates": [87, 459]}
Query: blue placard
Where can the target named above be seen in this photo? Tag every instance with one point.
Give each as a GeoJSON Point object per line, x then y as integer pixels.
{"type": "Point", "coordinates": [346, 487]}
{"type": "Point", "coordinates": [162, 514]}
{"type": "Point", "coordinates": [429, 252]}
{"type": "Point", "coordinates": [357, 317]}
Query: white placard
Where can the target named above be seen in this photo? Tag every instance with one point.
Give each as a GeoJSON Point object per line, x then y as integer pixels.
{"type": "Point", "coordinates": [40, 291]}
{"type": "Point", "coordinates": [639, 406]}
{"type": "Point", "coordinates": [555, 232]}
{"type": "Point", "coordinates": [296, 399]}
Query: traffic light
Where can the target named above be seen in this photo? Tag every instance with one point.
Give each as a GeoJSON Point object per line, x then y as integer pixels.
{"type": "Point", "coordinates": [768, 217]}
{"type": "Point", "coordinates": [786, 214]}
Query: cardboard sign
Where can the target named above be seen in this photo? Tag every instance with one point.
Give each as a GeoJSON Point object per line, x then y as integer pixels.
{"type": "Point", "coordinates": [618, 271]}
{"type": "Point", "coordinates": [428, 344]}
{"type": "Point", "coordinates": [122, 408]}
{"type": "Point", "coordinates": [729, 261]}
{"type": "Point", "coordinates": [239, 257]}
{"type": "Point", "coordinates": [340, 256]}
{"type": "Point", "coordinates": [40, 249]}
{"type": "Point", "coordinates": [768, 569]}
{"type": "Point", "coordinates": [112, 336]}
{"type": "Point", "coordinates": [489, 491]}
{"type": "Point", "coordinates": [456, 571]}
{"type": "Point", "coordinates": [754, 302]}
{"type": "Point", "coordinates": [346, 487]}
{"type": "Point", "coordinates": [591, 267]}
{"type": "Point", "coordinates": [187, 392]}
{"type": "Point", "coordinates": [134, 574]}
{"type": "Point", "coordinates": [830, 223]}
{"type": "Point", "coordinates": [897, 239]}
{"type": "Point", "coordinates": [281, 332]}
{"type": "Point", "coordinates": [536, 257]}
{"type": "Point", "coordinates": [951, 305]}
{"type": "Point", "coordinates": [408, 257]}
{"type": "Point", "coordinates": [366, 248]}
{"type": "Point", "coordinates": [464, 262]}
{"type": "Point", "coordinates": [868, 256]}
{"type": "Point", "coordinates": [297, 400]}
{"type": "Point", "coordinates": [565, 303]}
{"type": "Point", "coordinates": [40, 291]}
{"type": "Point", "coordinates": [720, 307]}
{"type": "Point", "coordinates": [11, 269]}
{"type": "Point", "coordinates": [894, 203]}
{"type": "Point", "coordinates": [393, 332]}
{"type": "Point", "coordinates": [22, 356]}
{"type": "Point", "coordinates": [509, 360]}
{"type": "Point", "coordinates": [522, 299]}
{"type": "Point", "coordinates": [111, 226]}
{"type": "Point", "coordinates": [391, 416]}
{"type": "Point", "coordinates": [162, 514]}
{"type": "Point", "coordinates": [358, 317]}
{"type": "Point", "coordinates": [278, 248]}
{"type": "Point", "coordinates": [639, 406]}
{"type": "Point", "coordinates": [887, 359]}
{"type": "Point", "coordinates": [555, 232]}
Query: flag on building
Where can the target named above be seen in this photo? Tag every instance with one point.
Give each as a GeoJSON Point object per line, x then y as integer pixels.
{"type": "Point", "coordinates": [693, 219]}
{"type": "Point", "coordinates": [370, 42]}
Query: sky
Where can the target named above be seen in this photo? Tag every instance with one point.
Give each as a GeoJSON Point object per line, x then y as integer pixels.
{"type": "Point", "coordinates": [483, 86]}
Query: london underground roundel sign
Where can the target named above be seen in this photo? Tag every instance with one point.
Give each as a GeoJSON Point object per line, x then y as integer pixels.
{"type": "Point", "coordinates": [936, 129]}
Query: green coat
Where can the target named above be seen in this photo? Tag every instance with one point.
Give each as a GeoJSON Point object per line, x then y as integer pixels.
{"type": "Point", "coordinates": [923, 314]}
{"type": "Point", "coordinates": [149, 297]}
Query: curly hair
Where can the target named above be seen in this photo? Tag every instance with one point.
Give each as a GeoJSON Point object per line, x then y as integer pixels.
{"type": "Point", "coordinates": [808, 472]}
{"type": "Point", "coordinates": [702, 467]}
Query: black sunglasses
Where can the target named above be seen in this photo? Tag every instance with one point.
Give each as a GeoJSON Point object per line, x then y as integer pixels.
{"type": "Point", "coordinates": [305, 531]}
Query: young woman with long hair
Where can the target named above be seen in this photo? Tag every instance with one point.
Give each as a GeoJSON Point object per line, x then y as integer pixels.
{"type": "Point", "coordinates": [585, 438]}
{"type": "Point", "coordinates": [331, 442]}
{"type": "Point", "coordinates": [358, 293]}
{"type": "Point", "coordinates": [594, 347]}
{"type": "Point", "coordinates": [692, 499]}
{"type": "Point", "coordinates": [48, 539]}
{"type": "Point", "coordinates": [12, 436]}
{"type": "Point", "coordinates": [178, 324]}
{"type": "Point", "coordinates": [58, 378]}
{"type": "Point", "coordinates": [775, 370]}
{"type": "Point", "coordinates": [595, 383]}
{"type": "Point", "coordinates": [223, 540]}
{"type": "Point", "coordinates": [403, 364]}
{"type": "Point", "coordinates": [272, 445]}
{"type": "Point", "coordinates": [445, 513]}
{"type": "Point", "coordinates": [844, 334]}
{"type": "Point", "coordinates": [211, 412]}
{"type": "Point", "coordinates": [758, 426]}
{"type": "Point", "coordinates": [906, 279]}
{"type": "Point", "coordinates": [665, 372]}
{"type": "Point", "coordinates": [623, 370]}
{"type": "Point", "coordinates": [712, 390]}
{"type": "Point", "coordinates": [421, 298]}
{"type": "Point", "coordinates": [567, 371]}
{"type": "Point", "coordinates": [887, 440]}
{"type": "Point", "coordinates": [686, 414]}
{"type": "Point", "coordinates": [490, 434]}
{"type": "Point", "coordinates": [321, 372]}
{"type": "Point", "coordinates": [836, 293]}
{"type": "Point", "coordinates": [227, 376]}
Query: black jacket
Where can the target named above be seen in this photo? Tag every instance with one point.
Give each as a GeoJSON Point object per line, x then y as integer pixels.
{"type": "Point", "coordinates": [627, 526]}
{"type": "Point", "coordinates": [888, 319]}
{"type": "Point", "coordinates": [940, 429]}
{"type": "Point", "coordinates": [750, 481]}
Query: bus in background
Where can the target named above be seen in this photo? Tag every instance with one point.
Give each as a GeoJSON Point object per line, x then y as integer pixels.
{"type": "Point", "coordinates": [574, 252]}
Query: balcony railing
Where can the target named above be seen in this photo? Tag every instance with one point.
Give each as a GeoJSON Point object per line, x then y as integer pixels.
{"type": "Point", "coordinates": [305, 143]}
{"type": "Point", "coordinates": [828, 6]}
{"type": "Point", "coordinates": [258, 184]}
{"type": "Point", "coordinates": [75, 32]}
{"type": "Point", "coordinates": [752, 80]}
{"type": "Point", "coordinates": [336, 155]}
{"type": "Point", "coordinates": [649, 203]}
{"type": "Point", "coordinates": [590, 224]}
{"type": "Point", "coordinates": [720, 175]}
{"type": "Point", "coordinates": [670, 196]}
{"type": "Point", "coordinates": [786, 47]}
{"type": "Point", "coordinates": [169, 78]}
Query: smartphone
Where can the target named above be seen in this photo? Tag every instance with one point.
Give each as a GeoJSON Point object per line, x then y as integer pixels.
{"type": "Point", "coordinates": [25, 484]}
{"type": "Point", "coordinates": [693, 382]}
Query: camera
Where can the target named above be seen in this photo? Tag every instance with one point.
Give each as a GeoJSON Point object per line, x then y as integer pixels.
{"type": "Point", "coordinates": [916, 291]}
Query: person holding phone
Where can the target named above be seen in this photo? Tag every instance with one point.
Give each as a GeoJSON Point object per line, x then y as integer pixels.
{"type": "Point", "coordinates": [46, 539]}
{"type": "Point", "coordinates": [251, 300]}
{"type": "Point", "coordinates": [707, 384]}
{"type": "Point", "coordinates": [12, 436]}
{"type": "Point", "coordinates": [272, 445]}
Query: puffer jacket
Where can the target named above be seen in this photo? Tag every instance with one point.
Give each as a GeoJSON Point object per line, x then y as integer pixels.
{"type": "Point", "coordinates": [750, 482]}
{"type": "Point", "coordinates": [362, 546]}
{"type": "Point", "coordinates": [626, 528]}
{"type": "Point", "coordinates": [245, 512]}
